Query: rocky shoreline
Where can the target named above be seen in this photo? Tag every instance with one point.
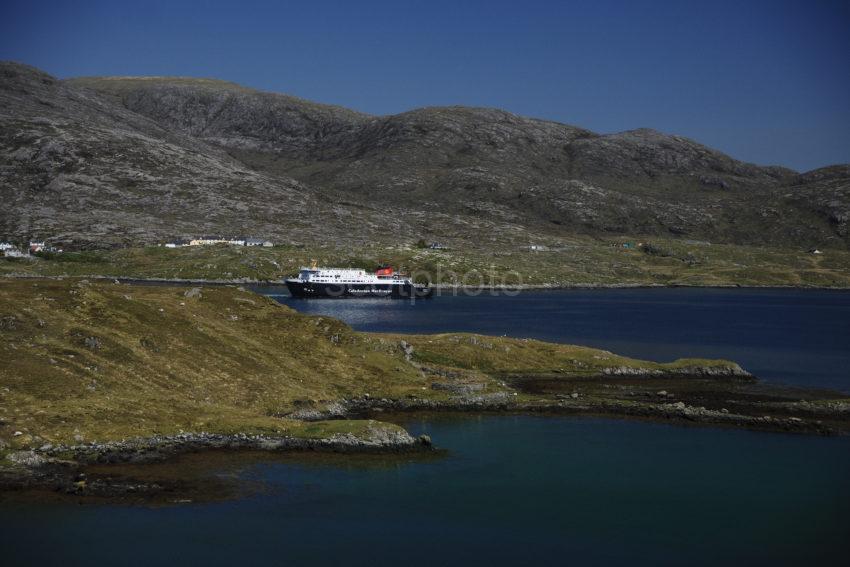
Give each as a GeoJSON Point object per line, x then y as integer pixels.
{"type": "Point", "coordinates": [673, 412]}
{"type": "Point", "coordinates": [285, 382]}
{"type": "Point", "coordinates": [59, 467]}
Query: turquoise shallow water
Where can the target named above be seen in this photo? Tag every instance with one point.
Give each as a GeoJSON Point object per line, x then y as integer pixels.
{"type": "Point", "coordinates": [527, 489]}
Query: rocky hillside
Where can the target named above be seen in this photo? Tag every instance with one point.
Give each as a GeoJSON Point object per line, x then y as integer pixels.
{"type": "Point", "coordinates": [75, 166]}
{"type": "Point", "coordinates": [109, 160]}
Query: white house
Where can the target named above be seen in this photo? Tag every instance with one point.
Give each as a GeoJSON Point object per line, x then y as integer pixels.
{"type": "Point", "coordinates": [14, 253]}
{"type": "Point", "coordinates": [207, 240]}
{"type": "Point", "coordinates": [7, 246]}
{"type": "Point", "coordinates": [258, 242]}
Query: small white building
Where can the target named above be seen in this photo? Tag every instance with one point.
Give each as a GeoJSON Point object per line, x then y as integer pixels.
{"type": "Point", "coordinates": [207, 240]}
{"type": "Point", "coordinates": [36, 246]}
{"type": "Point", "coordinates": [258, 242]}
{"type": "Point", "coordinates": [14, 253]}
{"type": "Point", "coordinates": [7, 246]}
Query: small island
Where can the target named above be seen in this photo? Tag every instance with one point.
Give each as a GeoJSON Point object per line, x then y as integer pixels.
{"type": "Point", "coordinates": [96, 373]}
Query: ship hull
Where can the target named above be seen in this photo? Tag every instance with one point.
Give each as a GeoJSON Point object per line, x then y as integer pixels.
{"type": "Point", "coordinates": [332, 290]}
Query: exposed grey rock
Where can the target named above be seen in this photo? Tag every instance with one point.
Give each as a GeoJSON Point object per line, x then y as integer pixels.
{"type": "Point", "coordinates": [731, 370]}
{"type": "Point", "coordinates": [194, 293]}
{"type": "Point", "coordinates": [380, 437]}
{"type": "Point", "coordinates": [630, 371]}
{"type": "Point", "coordinates": [27, 459]}
{"type": "Point", "coordinates": [129, 160]}
{"type": "Point", "coordinates": [462, 388]}
{"type": "Point", "coordinates": [332, 410]}
{"type": "Point", "coordinates": [407, 349]}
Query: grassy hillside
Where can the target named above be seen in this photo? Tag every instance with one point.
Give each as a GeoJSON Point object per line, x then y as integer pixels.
{"type": "Point", "coordinates": [576, 261]}
{"type": "Point", "coordinates": [84, 361]}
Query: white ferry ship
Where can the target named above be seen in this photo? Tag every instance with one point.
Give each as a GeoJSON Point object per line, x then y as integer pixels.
{"type": "Point", "coordinates": [343, 282]}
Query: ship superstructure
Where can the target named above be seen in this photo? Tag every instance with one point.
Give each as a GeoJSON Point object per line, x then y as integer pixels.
{"type": "Point", "coordinates": [353, 282]}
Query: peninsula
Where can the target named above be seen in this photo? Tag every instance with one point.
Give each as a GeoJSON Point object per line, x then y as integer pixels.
{"type": "Point", "coordinates": [102, 372]}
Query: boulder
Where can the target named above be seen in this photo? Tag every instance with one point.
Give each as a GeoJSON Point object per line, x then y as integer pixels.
{"type": "Point", "coordinates": [407, 349]}
{"type": "Point", "coordinates": [194, 293]}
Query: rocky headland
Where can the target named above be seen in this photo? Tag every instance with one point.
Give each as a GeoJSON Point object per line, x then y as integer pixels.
{"type": "Point", "coordinates": [96, 374]}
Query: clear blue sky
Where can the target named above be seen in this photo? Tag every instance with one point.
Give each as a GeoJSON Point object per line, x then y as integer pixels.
{"type": "Point", "coordinates": [767, 81]}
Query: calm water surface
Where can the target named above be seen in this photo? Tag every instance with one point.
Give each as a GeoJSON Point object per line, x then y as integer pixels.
{"type": "Point", "coordinates": [799, 337]}
{"type": "Point", "coordinates": [522, 489]}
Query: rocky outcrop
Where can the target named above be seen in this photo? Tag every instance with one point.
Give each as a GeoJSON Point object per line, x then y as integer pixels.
{"type": "Point", "coordinates": [57, 467]}
{"type": "Point", "coordinates": [575, 403]}
{"type": "Point", "coordinates": [717, 371]}
{"type": "Point", "coordinates": [332, 410]}
{"type": "Point", "coordinates": [378, 437]}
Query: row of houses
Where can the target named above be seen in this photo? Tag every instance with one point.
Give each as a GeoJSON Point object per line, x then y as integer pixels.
{"type": "Point", "coordinates": [10, 250]}
{"type": "Point", "coordinates": [34, 246]}
{"type": "Point", "coordinates": [210, 240]}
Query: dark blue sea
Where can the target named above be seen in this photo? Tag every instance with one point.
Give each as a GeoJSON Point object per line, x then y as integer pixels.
{"type": "Point", "coordinates": [526, 489]}
{"type": "Point", "coordinates": [796, 337]}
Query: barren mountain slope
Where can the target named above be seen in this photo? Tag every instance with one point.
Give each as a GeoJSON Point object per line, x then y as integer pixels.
{"type": "Point", "coordinates": [107, 161]}
{"type": "Point", "coordinates": [76, 166]}
{"type": "Point", "coordinates": [552, 177]}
